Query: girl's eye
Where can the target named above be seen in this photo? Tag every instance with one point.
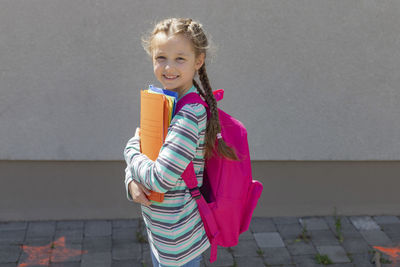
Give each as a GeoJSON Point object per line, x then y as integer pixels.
{"type": "Point", "coordinates": [180, 59]}
{"type": "Point", "coordinates": [160, 58]}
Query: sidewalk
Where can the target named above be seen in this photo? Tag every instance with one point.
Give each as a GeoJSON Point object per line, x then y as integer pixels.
{"type": "Point", "coordinates": [278, 241]}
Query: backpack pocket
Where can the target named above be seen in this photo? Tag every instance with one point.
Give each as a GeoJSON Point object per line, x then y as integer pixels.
{"type": "Point", "coordinates": [253, 195]}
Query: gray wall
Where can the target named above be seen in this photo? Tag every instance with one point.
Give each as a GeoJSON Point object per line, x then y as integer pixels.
{"type": "Point", "coordinates": [311, 79]}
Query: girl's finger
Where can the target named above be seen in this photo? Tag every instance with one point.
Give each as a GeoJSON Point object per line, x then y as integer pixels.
{"type": "Point", "coordinates": [144, 189]}
{"type": "Point", "coordinates": [145, 201]}
{"type": "Point", "coordinates": [137, 132]}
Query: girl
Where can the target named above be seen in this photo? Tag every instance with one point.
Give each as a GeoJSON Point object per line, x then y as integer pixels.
{"type": "Point", "coordinates": [175, 231]}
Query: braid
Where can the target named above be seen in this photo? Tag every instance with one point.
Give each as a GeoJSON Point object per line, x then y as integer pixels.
{"type": "Point", "coordinates": [213, 123]}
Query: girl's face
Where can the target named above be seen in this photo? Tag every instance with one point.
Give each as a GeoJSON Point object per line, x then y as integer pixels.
{"type": "Point", "coordinates": [174, 62]}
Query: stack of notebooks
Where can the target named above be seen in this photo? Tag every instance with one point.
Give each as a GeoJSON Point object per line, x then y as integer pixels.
{"type": "Point", "coordinates": [157, 107]}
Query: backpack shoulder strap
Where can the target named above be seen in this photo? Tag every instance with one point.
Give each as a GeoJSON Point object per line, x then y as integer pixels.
{"type": "Point", "coordinates": [190, 98]}
{"type": "Point", "coordinates": [189, 175]}
{"type": "Point", "coordinates": [207, 216]}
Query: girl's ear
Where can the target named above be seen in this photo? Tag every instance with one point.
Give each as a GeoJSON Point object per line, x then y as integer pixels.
{"type": "Point", "coordinates": [200, 61]}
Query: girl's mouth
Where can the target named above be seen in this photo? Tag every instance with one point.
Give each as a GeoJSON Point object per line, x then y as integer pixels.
{"type": "Point", "coordinates": [170, 77]}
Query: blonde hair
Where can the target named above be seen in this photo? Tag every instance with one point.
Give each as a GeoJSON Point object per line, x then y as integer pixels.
{"type": "Point", "coordinates": [194, 32]}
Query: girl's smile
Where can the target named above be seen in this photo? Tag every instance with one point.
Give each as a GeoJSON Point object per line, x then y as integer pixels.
{"type": "Point", "coordinates": [174, 62]}
{"type": "Point", "coordinates": [169, 77]}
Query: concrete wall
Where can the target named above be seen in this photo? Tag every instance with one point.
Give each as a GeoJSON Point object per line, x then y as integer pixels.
{"type": "Point", "coordinates": [314, 81]}
{"type": "Point", "coordinates": [43, 190]}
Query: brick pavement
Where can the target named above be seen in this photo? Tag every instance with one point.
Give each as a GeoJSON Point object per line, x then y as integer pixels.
{"type": "Point", "coordinates": [278, 241]}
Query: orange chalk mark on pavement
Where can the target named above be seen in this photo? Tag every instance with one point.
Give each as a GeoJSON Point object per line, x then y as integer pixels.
{"type": "Point", "coordinates": [393, 253]}
{"type": "Point", "coordinates": [40, 255]}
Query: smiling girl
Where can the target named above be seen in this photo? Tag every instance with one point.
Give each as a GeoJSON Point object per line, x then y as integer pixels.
{"type": "Point", "coordinates": [175, 231]}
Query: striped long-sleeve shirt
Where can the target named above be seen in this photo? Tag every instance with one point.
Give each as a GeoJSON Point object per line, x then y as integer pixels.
{"type": "Point", "coordinates": [175, 231]}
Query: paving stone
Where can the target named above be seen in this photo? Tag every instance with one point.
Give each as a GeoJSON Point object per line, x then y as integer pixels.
{"type": "Point", "coordinates": [98, 228]}
{"type": "Point", "coordinates": [224, 258]}
{"type": "Point", "coordinates": [362, 260]}
{"type": "Point", "coordinates": [393, 232]}
{"type": "Point", "coordinates": [12, 237]}
{"type": "Point", "coordinates": [376, 238]}
{"type": "Point", "coordinates": [300, 247]}
{"type": "Point", "coordinates": [124, 233]}
{"type": "Point", "coordinates": [141, 225]}
{"type": "Point", "coordinates": [121, 243]}
{"type": "Point", "coordinates": [249, 261]}
{"type": "Point", "coordinates": [125, 223]}
{"type": "Point", "coordinates": [345, 224]}
{"type": "Point", "coordinates": [323, 238]}
{"type": "Point", "coordinates": [305, 261]}
{"type": "Point", "coordinates": [285, 220]}
{"type": "Point", "coordinates": [335, 253]}
{"type": "Point", "coordinates": [7, 226]}
{"type": "Point", "coordinates": [393, 263]}
{"type": "Point", "coordinates": [41, 229]}
{"type": "Point", "coordinates": [290, 231]}
{"type": "Point", "coordinates": [351, 234]}
{"type": "Point", "coordinates": [246, 236]}
{"type": "Point", "coordinates": [70, 235]}
{"type": "Point", "coordinates": [364, 223]}
{"type": "Point", "coordinates": [98, 259]}
{"type": "Point", "coordinates": [39, 242]}
{"type": "Point", "coordinates": [127, 251]}
{"type": "Point", "coordinates": [269, 240]}
{"type": "Point", "coordinates": [274, 256]}
{"type": "Point", "coordinates": [98, 244]}
{"type": "Point", "coordinates": [146, 256]}
{"type": "Point", "coordinates": [10, 253]}
{"type": "Point", "coordinates": [353, 242]}
{"type": "Point", "coordinates": [117, 238]}
{"type": "Point", "coordinates": [314, 223]}
{"type": "Point", "coordinates": [69, 225]}
{"type": "Point", "coordinates": [245, 248]}
{"type": "Point", "coordinates": [386, 219]}
{"type": "Point", "coordinates": [59, 254]}
{"type": "Point", "coordinates": [263, 225]}
{"type": "Point", "coordinates": [65, 264]}
{"type": "Point", "coordinates": [127, 263]}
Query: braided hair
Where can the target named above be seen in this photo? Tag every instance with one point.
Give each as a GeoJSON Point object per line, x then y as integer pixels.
{"type": "Point", "coordinates": [194, 32]}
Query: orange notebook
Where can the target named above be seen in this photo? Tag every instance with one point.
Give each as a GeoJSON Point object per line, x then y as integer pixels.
{"type": "Point", "coordinates": [154, 123]}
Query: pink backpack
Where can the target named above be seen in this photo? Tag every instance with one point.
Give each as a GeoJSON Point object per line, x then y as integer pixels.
{"type": "Point", "coordinates": [228, 197]}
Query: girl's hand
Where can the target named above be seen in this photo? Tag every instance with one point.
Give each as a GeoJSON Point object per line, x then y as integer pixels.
{"type": "Point", "coordinates": [139, 192]}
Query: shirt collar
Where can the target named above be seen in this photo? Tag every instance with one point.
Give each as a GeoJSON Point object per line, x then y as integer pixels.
{"type": "Point", "coordinates": [191, 90]}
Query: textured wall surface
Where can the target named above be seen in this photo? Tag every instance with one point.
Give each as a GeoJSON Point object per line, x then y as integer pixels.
{"type": "Point", "coordinates": [310, 79]}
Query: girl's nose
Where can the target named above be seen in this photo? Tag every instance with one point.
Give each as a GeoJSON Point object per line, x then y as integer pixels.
{"type": "Point", "coordinates": [168, 66]}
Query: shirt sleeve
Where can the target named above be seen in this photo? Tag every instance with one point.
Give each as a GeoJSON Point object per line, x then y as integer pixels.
{"type": "Point", "coordinates": [177, 152]}
{"type": "Point", "coordinates": [128, 179]}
